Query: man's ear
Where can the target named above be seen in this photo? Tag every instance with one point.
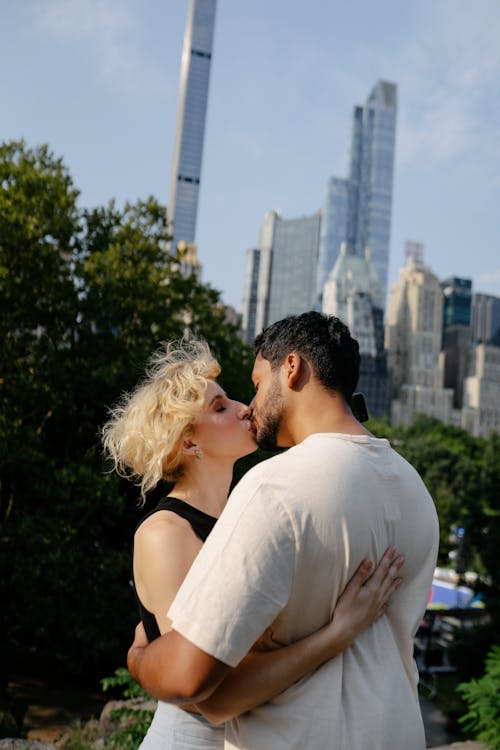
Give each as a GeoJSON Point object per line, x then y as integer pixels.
{"type": "Point", "coordinates": [294, 367]}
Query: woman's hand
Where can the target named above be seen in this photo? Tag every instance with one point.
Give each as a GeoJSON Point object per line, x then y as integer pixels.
{"type": "Point", "coordinates": [136, 650]}
{"type": "Point", "coordinates": [366, 597]}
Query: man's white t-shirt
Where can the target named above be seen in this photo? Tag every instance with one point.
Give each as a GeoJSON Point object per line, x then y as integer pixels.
{"type": "Point", "coordinates": [294, 531]}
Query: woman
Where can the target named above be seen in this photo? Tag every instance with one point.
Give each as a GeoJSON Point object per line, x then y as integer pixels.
{"type": "Point", "coordinates": [179, 425]}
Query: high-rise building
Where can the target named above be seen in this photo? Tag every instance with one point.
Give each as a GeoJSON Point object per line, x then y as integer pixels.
{"type": "Point", "coordinates": [457, 298]}
{"type": "Point", "coordinates": [266, 243]}
{"type": "Point", "coordinates": [280, 276]}
{"type": "Point", "coordinates": [481, 398]}
{"type": "Point", "coordinates": [249, 307]}
{"type": "Point", "coordinates": [353, 294]}
{"type": "Point", "coordinates": [456, 358]}
{"type": "Point", "coordinates": [293, 267]}
{"type": "Point", "coordinates": [358, 210]}
{"type": "Point", "coordinates": [456, 348]}
{"type": "Point", "coordinates": [334, 232]}
{"type": "Point", "coordinates": [413, 342]}
{"type": "Point", "coordinates": [191, 116]}
{"type": "Point", "coordinates": [486, 319]}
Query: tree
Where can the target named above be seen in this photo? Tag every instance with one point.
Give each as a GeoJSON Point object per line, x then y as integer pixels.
{"type": "Point", "coordinates": [449, 461]}
{"type": "Point", "coordinates": [85, 298]}
{"type": "Point", "coordinates": [486, 513]}
{"type": "Point", "coordinates": [38, 221]}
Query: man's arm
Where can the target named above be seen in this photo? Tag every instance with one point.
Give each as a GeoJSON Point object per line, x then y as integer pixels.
{"type": "Point", "coordinates": [260, 676]}
{"type": "Point", "coordinates": [173, 669]}
{"type": "Point", "coordinates": [237, 585]}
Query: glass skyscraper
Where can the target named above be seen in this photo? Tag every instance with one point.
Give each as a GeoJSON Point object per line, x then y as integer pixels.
{"type": "Point", "coordinates": [191, 115]}
{"type": "Point", "coordinates": [333, 230]}
{"type": "Point", "coordinates": [293, 267]}
{"type": "Point", "coordinates": [359, 208]}
{"type": "Point", "coordinates": [280, 276]}
{"type": "Point", "coordinates": [457, 300]}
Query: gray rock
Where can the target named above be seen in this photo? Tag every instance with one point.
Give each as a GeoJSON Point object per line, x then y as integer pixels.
{"type": "Point", "coordinates": [108, 724]}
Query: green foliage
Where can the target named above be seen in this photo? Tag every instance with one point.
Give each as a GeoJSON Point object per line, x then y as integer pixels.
{"type": "Point", "coordinates": [122, 679]}
{"type": "Point", "coordinates": [462, 474]}
{"type": "Point", "coordinates": [80, 736]}
{"type": "Point", "coordinates": [472, 646]}
{"type": "Point", "coordinates": [134, 721]}
{"type": "Point", "coordinates": [85, 297]}
{"type": "Point", "coordinates": [483, 700]}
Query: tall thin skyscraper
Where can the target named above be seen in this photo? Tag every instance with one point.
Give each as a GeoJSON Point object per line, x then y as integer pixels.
{"type": "Point", "coordinates": [191, 116]}
{"type": "Point", "coordinates": [358, 210]}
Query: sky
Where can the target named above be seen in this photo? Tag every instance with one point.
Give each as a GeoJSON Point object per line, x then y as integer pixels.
{"type": "Point", "coordinates": [98, 81]}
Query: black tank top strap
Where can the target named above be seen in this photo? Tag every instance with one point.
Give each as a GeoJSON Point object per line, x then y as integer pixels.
{"type": "Point", "coordinates": [201, 523]}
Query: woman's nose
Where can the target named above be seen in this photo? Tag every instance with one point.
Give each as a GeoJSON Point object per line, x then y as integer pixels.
{"type": "Point", "coordinates": [245, 411]}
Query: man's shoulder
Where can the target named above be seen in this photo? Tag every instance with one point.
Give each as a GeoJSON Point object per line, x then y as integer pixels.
{"type": "Point", "coordinates": [295, 461]}
{"type": "Point", "coordinates": [265, 469]}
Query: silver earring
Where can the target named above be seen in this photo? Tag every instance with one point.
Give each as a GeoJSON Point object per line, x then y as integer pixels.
{"type": "Point", "coordinates": [198, 453]}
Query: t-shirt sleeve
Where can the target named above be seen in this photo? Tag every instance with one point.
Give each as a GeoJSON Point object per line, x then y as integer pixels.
{"type": "Point", "coordinates": [242, 578]}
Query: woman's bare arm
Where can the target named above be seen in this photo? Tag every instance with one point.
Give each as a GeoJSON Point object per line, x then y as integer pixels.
{"type": "Point", "coordinates": [165, 547]}
{"type": "Point", "coordinates": [264, 674]}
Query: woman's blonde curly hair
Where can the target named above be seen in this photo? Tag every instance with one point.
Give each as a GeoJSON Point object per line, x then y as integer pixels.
{"type": "Point", "coordinates": [144, 434]}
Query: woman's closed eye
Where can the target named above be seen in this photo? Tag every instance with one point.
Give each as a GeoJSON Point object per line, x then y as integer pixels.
{"type": "Point", "coordinates": [220, 403]}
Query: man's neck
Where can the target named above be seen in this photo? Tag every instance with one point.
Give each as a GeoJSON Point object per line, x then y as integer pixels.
{"type": "Point", "coordinates": [321, 411]}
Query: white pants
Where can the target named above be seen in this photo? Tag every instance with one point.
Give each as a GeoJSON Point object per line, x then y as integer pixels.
{"type": "Point", "coordinates": [175, 729]}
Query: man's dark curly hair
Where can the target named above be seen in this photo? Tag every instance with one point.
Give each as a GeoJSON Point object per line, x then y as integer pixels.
{"type": "Point", "coordinates": [323, 340]}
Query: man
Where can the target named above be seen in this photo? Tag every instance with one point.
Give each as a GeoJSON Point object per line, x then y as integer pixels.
{"type": "Point", "coordinates": [292, 534]}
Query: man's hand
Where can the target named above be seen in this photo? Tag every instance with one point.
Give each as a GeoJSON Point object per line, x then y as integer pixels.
{"type": "Point", "coordinates": [136, 651]}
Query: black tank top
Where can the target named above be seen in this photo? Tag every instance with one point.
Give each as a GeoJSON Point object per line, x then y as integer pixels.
{"type": "Point", "coordinates": [201, 523]}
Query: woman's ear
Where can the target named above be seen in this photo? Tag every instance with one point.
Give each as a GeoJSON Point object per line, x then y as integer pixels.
{"type": "Point", "coordinates": [190, 448]}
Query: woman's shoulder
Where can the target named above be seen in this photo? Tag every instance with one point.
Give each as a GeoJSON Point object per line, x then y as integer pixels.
{"type": "Point", "coordinates": [163, 527]}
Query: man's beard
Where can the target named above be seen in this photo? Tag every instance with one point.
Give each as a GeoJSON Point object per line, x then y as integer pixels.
{"type": "Point", "coordinates": [270, 416]}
